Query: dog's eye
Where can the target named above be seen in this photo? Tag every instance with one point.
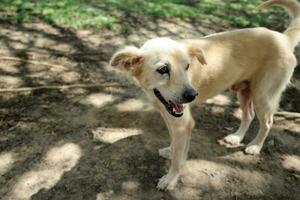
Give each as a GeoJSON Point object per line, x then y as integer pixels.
{"type": "Point", "coordinates": [163, 69]}
{"type": "Point", "coordinates": [187, 67]}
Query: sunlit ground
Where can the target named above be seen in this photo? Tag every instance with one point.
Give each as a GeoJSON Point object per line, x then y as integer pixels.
{"type": "Point", "coordinates": [47, 173]}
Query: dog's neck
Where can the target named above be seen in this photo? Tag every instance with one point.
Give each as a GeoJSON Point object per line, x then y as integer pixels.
{"type": "Point", "coordinates": [209, 78]}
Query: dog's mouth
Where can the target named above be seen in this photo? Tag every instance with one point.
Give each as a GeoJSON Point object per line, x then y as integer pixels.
{"type": "Point", "coordinates": [172, 107]}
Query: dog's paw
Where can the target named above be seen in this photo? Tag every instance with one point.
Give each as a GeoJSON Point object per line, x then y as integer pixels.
{"type": "Point", "coordinates": [233, 139]}
{"type": "Point", "coordinates": [165, 152]}
{"type": "Point", "coordinates": [253, 149]}
{"type": "Point", "coordinates": [168, 181]}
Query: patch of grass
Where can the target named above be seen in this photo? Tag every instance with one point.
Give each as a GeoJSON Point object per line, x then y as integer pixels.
{"type": "Point", "coordinates": [74, 13]}
{"type": "Point", "coordinates": [116, 14]}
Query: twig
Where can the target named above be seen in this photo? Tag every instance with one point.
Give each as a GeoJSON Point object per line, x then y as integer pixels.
{"type": "Point", "coordinates": [33, 62]}
{"type": "Point", "coordinates": [288, 115]}
{"type": "Point", "coordinates": [59, 87]}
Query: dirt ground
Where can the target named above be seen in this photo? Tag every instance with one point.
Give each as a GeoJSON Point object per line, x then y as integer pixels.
{"type": "Point", "coordinates": [75, 129]}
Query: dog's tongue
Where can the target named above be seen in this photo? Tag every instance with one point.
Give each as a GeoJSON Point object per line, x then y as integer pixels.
{"type": "Point", "coordinates": [178, 107]}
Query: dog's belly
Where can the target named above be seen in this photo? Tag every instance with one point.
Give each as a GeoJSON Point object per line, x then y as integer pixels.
{"type": "Point", "coordinates": [243, 87]}
{"type": "Point", "coordinates": [240, 86]}
{"type": "Point", "coordinates": [207, 92]}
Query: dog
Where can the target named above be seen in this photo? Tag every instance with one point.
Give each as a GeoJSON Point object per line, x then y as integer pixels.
{"type": "Point", "coordinates": [257, 63]}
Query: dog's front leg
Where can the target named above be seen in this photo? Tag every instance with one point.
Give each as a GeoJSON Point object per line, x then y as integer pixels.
{"type": "Point", "coordinates": [180, 130]}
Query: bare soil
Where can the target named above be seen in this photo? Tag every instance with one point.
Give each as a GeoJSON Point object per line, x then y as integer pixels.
{"type": "Point", "coordinates": [72, 128]}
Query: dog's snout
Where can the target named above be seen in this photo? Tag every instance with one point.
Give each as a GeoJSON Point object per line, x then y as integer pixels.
{"type": "Point", "coordinates": [189, 94]}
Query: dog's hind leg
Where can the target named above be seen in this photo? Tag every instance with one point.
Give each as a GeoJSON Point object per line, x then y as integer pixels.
{"type": "Point", "coordinates": [264, 111]}
{"type": "Point", "coordinates": [248, 114]}
{"type": "Point", "coordinates": [266, 94]}
{"type": "Point", "coordinates": [265, 100]}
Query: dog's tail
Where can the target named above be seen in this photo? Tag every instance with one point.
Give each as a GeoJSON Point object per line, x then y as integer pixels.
{"type": "Point", "coordinates": [293, 7]}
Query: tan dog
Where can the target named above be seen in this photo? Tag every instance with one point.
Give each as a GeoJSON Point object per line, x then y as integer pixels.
{"type": "Point", "coordinates": [258, 63]}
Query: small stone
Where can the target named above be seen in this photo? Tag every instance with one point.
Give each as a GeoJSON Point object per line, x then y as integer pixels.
{"type": "Point", "coordinates": [271, 143]}
{"type": "Point", "coordinates": [12, 128]}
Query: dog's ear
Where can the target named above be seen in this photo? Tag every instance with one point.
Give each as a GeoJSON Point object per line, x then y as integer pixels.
{"type": "Point", "coordinates": [198, 53]}
{"type": "Point", "coordinates": [129, 59]}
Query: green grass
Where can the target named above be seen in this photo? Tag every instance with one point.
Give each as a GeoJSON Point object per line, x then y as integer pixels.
{"type": "Point", "coordinates": [122, 14]}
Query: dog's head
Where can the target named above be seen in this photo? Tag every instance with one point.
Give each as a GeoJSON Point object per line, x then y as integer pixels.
{"type": "Point", "coordinates": [161, 67]}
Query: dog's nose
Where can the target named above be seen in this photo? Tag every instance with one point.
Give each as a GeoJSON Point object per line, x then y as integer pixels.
{"type": "Point", "coordinates": [189, 95]}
